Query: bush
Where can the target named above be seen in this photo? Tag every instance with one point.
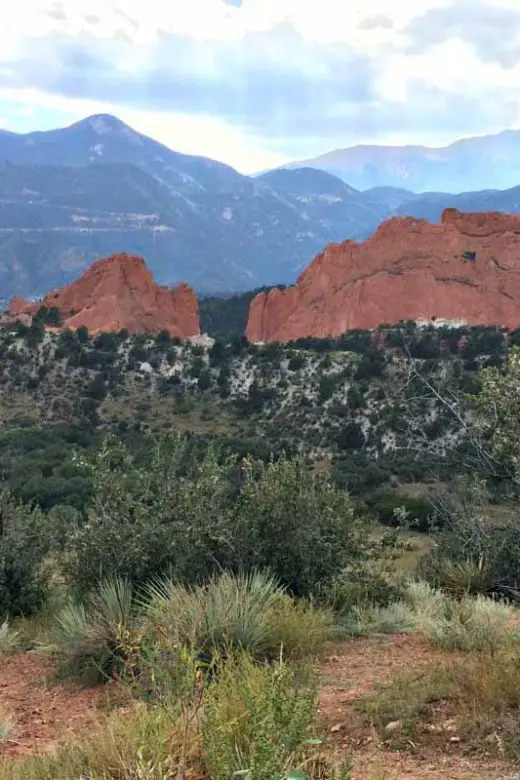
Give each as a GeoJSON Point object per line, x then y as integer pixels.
{"type": "Point", "coordinates": [363, 620]}
{"type": "Point", "coordinates": [468, 577]}
{"type": "Point", "coordinates": [474, 552]}
{"type": "Point", "coordinates": [192, 517]}
{"type": "Point", "coordinates": [229, 614]}
{"type": "Point", "coordinates": [226, 615]}
{"type": "Point", "coordinates": [359, 588]}
{"type": "Point", "coordinates": [257, 720]}
{"type": "Point", "coordinates": [297, 628]}
{"type": "Point", "coordinates": [297, 525]}
{"type": "Point", "coordinates": [471, 624]}
{"type": "Point", "coordinates": [23, 546]}
{"type": "Point", "coordinates": [418, 510]}
{"type": "Point", "coordinates": [148, 518]}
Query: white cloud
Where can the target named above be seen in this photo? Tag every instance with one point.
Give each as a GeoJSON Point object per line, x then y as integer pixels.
{"type": "Point", "coordinates": [306, 47]}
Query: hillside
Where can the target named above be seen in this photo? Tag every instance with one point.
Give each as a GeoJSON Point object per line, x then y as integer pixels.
{"type": "Point", "coordinates": [346, 402]}
{"type": "Point", "coordinates": [491, 161]}
{"type": "Point", "coordinates": [173, 468]}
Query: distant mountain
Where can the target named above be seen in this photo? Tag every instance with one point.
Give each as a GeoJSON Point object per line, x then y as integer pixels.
{"type": "Point", "coordinates": [491, 161]}
{"type": "Point", "coordinates": [325, 200]}
{"type": "Point", "coordinates": [98, 187]}
{"type": "Point", "coordinates": [390, 197]}
{"type": "Point", "coordinates": [431, 204]}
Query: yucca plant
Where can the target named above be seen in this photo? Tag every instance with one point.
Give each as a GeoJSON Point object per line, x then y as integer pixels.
{"type": "Point", "coordinates": [89, 638]}
{"type": "Point", "coordinates": [228, 613]}
{"type": "Point", "coordinates": [469, 577]}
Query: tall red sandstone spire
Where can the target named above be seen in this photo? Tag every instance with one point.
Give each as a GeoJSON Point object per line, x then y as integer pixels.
{"type": "Point", "coordinates": [119, 292]}
{"type": "Point", "coordinates": [466, 268]}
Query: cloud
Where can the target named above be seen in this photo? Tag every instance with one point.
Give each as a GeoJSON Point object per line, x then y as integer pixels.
{"type": "Point", "coordinates": [491, 29]}
{"type": "Point", "coordinates": [294, 78]}
{"type": "Point", "coordinates": [372, 22]}
{"type": "Point", "coordinates": [273, 81]}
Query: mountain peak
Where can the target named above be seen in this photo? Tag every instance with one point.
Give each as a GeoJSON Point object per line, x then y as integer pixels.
{"type": "Point", "coordinates": [103, 123]}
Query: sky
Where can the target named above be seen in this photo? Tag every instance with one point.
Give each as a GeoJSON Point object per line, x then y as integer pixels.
{"type": "Point", "coordinates": [257, 83]}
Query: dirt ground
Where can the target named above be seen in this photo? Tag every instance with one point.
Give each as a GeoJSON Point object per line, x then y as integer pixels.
{"type": "Point", "coordinates": [40, 711]}
{"type": "Point", "coordinates": [35, 711]}
{"type": "Point", "coordinates": [356, 668]}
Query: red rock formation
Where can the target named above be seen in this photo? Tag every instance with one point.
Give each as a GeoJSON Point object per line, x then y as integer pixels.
{"type": "Point", "coordinates": [465, 268]}
{"type": "Point", "coordinates": [19, 306]}
{"type": "Point", "coordinates": [119, 292]}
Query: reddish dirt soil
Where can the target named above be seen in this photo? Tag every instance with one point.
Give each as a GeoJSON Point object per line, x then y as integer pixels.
{"type": "Point", "coordinates": [358, 667]}
{"type": "Point", "coordinates": [39, 711]}
{"type": "Point", "coordinates": [42, 711]}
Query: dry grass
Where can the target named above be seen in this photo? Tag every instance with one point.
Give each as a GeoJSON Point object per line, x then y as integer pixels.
{"type": "Point", "coordinates": [471, 623]}
{"type": "Point", "coordinates": [255, 717]}
{"type": "Point", "coordinates": [6, 724]}
{"type": "Point", "coordinates": [10, 638]}
{"type": "Point", "coordinates": [475, 700]}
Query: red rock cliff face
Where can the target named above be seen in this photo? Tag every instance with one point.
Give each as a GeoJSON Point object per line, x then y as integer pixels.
{"type": "Point", "coordinates": [466, 268]}
{"type": "Point", "coordinates": [120, 292]}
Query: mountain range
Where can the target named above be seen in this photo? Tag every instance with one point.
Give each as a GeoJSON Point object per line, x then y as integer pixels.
{"type": "Point", "coordinates": [98, 187]}
{"type": "Point", "coordinates": [490, 161]}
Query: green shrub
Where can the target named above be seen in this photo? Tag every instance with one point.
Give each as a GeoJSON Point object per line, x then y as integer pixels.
{"type": "Point", "coordinates": [297, 525]}
{"type": "Point", "coordinates": [23, 546]}
{"type": "Point", "coordinates": [192, 516]}
{"type": "Point", "coordinates": [365, 587]}
{"type": "Point", "coordinates": [473, 551]}
{"type": "Point", "coordinates": [419, 510]}
{"type": "Point", "coordinates": [145, 519]}
{"type": "Point", "coordinates": [257, 720]}
{"type": "Point", "coordinates": [297, 628]}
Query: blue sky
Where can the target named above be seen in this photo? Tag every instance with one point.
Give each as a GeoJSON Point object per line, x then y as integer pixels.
{"type": "Point", "coordinates": [256, 83]}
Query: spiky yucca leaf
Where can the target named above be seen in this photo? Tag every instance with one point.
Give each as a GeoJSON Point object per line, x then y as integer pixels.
{"type": "Point", "coordinates": [229, 612]}
{"type": "Point", "coordinates": [465, 577]}
{"type": "Point", "coordinates": [88, 637]}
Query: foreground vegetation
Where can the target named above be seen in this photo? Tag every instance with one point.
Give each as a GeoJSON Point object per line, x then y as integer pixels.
{"type": "Point", "coordinates": [200, 574]}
